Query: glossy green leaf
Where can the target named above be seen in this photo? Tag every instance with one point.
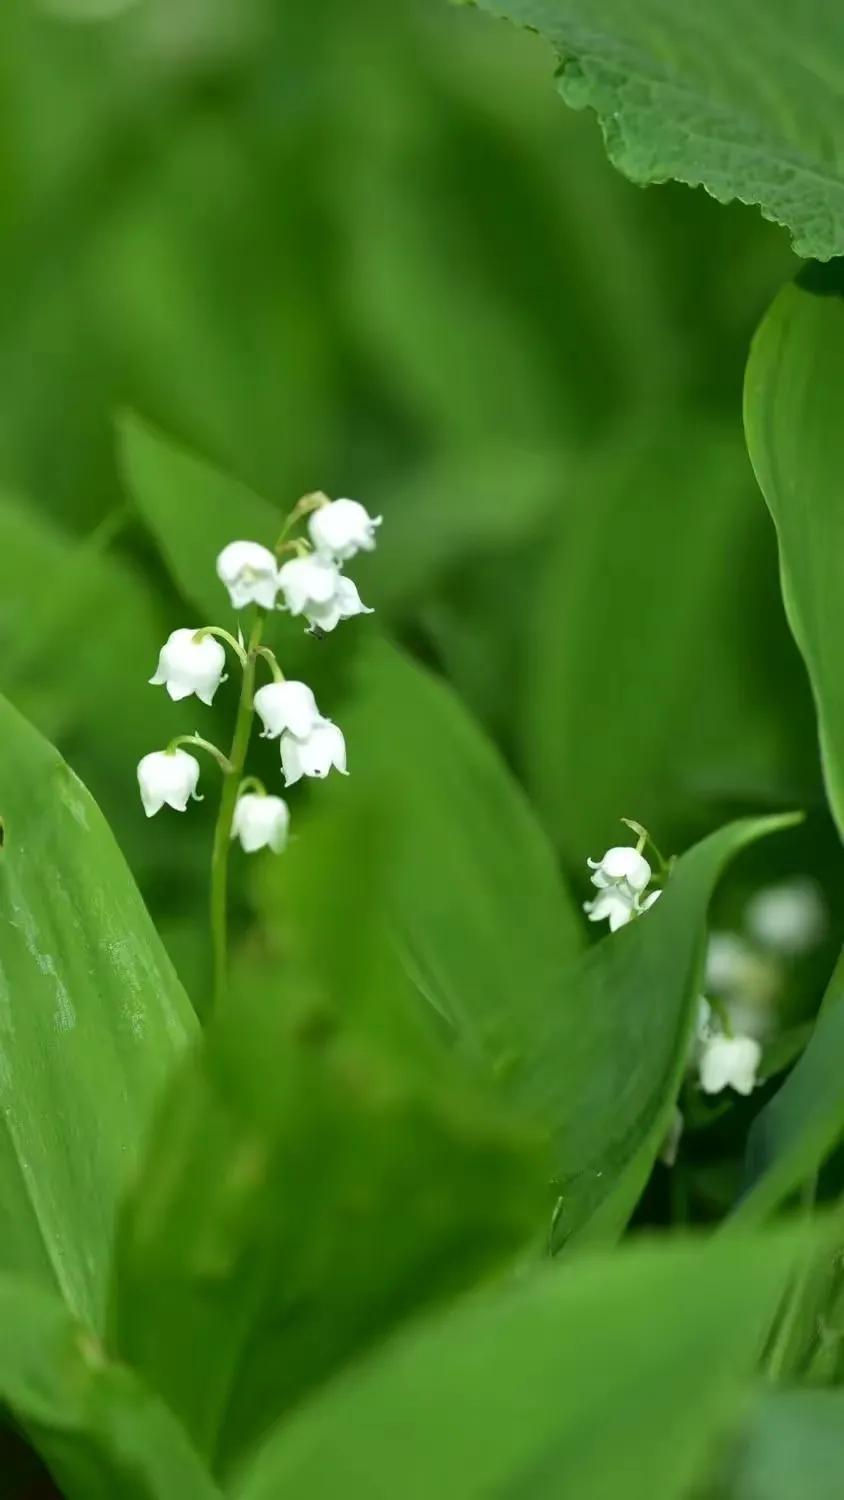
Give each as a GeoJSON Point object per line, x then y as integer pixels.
{"type": "Point", "coordinates": [798, 1128]}
{"type": "Point", "coordinates": [676, 98]}
{"type": "Point", "coordinates": [660, 677]}
{"type": "Point", "coordinates": [320, 1170]}
{"type": "Point", "coordinates": [608, 1381]}
{"type": "Point", "coordinates": [100, 1431]}
{"type": "Point", "coordinates": [796, 443]}
{"type": "Point", "coordinates": [481, 917]}
{"type": "Point", "coordinates": [192, 509]}
{"type": "Point", "coordinates": [92, 1020]}
{"type": "Point", "coordinates": [607, 1065]}
{"type": "Point", "coordinates": [791, 1449]}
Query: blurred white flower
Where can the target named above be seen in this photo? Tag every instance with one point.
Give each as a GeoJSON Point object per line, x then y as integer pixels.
{"type": "Point", "coordinates": [790, 918]}
{"type": "Point", "coordinates": [168, 776]}
{"type": "Point", "coordinates": [187, 665]}
{"type": "Point", "coordinates": [260, 822]}
{"type": "Point", "coordinates": [730, 963]}
{"type": "Point", "coordinates": [323, 749]}
{"type": "Point", "coordinates": [621, 866]}
{"type": "Point", "coordinates": [341, 528]}
{"type": "Point", "coordinates": [287, 706]}
{"type": "Point", "coordinates": [729, 1062]}
{"type": "Point", "coordinates": [315, 587]}
{"type": "Point", "coordinates": [250, 573]}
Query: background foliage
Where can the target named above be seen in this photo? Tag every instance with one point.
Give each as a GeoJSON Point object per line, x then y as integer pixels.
{"type": "Point", "coordinates": [251, 250]}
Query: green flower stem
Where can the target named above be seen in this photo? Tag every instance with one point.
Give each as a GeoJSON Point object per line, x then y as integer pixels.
{"type": "Point", "coordinates": [196, 739]}
{"type": "Point", "coordinates": [223, 635]}
{"type": "Point", "coordinates": [270, 656]}
{"type": "Point", "coordinates": [223, 830]}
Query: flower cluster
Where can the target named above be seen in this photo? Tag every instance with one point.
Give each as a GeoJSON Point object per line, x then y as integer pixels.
{"type": "Point", "coordinates": [622, 877]}
{"type": "Point", "coordinates": [193, 662]}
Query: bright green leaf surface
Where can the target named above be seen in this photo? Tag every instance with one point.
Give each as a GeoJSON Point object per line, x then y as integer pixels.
{"type": "Point", "coordinates": [101, 1432]}
{"type": "Point", "coordinates": [480, 913]}
{"type": "Point", "coordinates": [607, 1381]}
{"type": "Point", "coordinates": [320, 1171]}
{"type": "Point", "coordinates": [799, 1126]}
{"type": "Point", "coordinates": [92, 1019]}
{"type": "Point", "coordinates": [606, 1067]}
{"type": "Point", "coordinates": [796, 442]}
{"type": "Point", "coordinates": [676, 97]}
{"type": "Point", "coordinates": [793, 1449]}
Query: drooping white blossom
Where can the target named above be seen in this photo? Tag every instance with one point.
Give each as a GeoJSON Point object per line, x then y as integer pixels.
{"type": "Point", "coordinates": [341, 528]}
{"type": "Point", "coordinates": [323, 749]}
{"type": "Point", "coordinates": [621, 866]}
{"type": "Point", "coordinates": [730, 963]}
{"type": "Point", "coordinates": [618, 905]}
{"type": "Point", "coordinates": [729, 1062]}
{"type": "Point", "coordinates": [789, 918]}
{"type": "Point", "coordinates": [315, 587]}
{"type": "Point", "coordinates": [250, 573]}
{"type": "Point", "coordinates": [260, 822]}
{"type": "Point", "coordinates": [168, 777]}
{"type": "Point", "coordinates": [287, 706]}
{"type": "Point", "coordinates": [188, 665]}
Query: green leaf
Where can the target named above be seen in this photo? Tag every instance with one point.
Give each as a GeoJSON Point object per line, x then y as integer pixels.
{"type": "Point", "coordinates": [480, 914]}
{"type": "Point", "coordinates": [192, 509]}
{"type": "Point", "coordinates": [319, 1171]}
{"type": "Point", "coordinates": [797, 1129]}
{"type": "Point", "coordinates": [796, 443]}
{"type": "Point", "coordinates": [609, 1382]}
{"type": "Point", "coordinates": [92, 1019]}
{"type": "Point", "coordinates": [792, 1449]}
{"type": "Point", "coordinates": [653, 683]}
{"type": "Point", "coordinates": [677, 98]}
{"type": "Point", "coordinates": [607, 1066]}
{"type": "Point", "coordinates": [100, 1431]}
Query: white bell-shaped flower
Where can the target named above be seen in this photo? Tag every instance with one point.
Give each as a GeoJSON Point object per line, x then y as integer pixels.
{"type": "Point", "coordinates": [189, 665]}
{"type": "Point", "coordinates": [315, 587]}
{"type": "Point", "coordinates": [250, 573]}
{"type": "Point", "coordinates": [287, 706]}
{"type": "Point", "coordinates": [621, 865]}
{"type": "Point", "coordinates": [341, 528]}
{"type": "Point", "coordinates": [168, 776]}
{"type": "Point", "coordinates": [323, 749]}
{"type": "Point", "coordinates": [729, 1062]}
{"type": "Point", "coordinates": [260, 822]}
{"type": "Point", "coordinates": [788, 919]}
{"type": "Point", "coordinates": [616, 905]}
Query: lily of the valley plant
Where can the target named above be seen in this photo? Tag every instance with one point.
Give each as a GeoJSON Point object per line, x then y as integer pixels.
{"type": "Point", "coordinates": [310, 583]}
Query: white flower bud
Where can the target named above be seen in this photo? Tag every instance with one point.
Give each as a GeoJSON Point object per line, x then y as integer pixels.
{"type": "Point", "coordinates": [250, 573]}
{"type": "Point", "coordinates": [168, 776]}
{"type": "Point", "coordinates": [324, 747]}
{"type": "Point", "coordinates": [341, 528]}
{"type": "Point", "coordinates": [729, 1062]}
{"type": "Point", "coordinates": [621, 865]}
{"type": "Point", "coordinates": [260, 822]}
{"type": "Point", "coordinates": [789, 918]}
{"type": "Point", "coordinates": [315, 587]}
{"type": "Point", "coordinates": [287, 706]}
{"type": "Point", "coordinates": [187, 665]}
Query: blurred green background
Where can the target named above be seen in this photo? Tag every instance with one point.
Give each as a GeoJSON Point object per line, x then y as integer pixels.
{"type": "Point", "coordinates": [365, 248]}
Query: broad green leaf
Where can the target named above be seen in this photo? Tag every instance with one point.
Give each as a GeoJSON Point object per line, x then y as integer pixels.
{"type": "Point", "coordinates": [319, 1171]}
{"type": "Point", "coordinates": [608, 1381]}
{"type": "Point", "coordinates": [92, 1020]}
{"type": "Point", "coordinates": [192, 509]}
{"type": "Point", "coordinates": [606, 1067]}
{"type": "Point", "coordinates": [654, 684]}
{"type": "Point", "coordinates": [796, 443]}
{"type": "Point", "coordinates": [792, 1449]}
{"type": "Point", "coordinates": [677, 98]}
{"type": "Point", "coordinates": [99, 1430]}
{"type": "Point", "coordinates": [479, 912]}
{"type": "Point", "coordinates": [798, 1128]}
